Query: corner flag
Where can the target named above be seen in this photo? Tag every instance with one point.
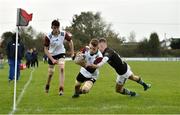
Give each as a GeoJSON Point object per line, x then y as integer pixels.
{"type": "Point", "coordinates": [23, 17]}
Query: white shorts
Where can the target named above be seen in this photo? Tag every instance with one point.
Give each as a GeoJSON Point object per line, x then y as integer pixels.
{"type": "Point", "coordinates": [121, 79]}
{"type": "Point", "coordinates": [87, 74]}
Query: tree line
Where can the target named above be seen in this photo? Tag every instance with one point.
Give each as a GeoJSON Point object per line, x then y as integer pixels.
{"type": "Point", "coordinates": [88, 25]}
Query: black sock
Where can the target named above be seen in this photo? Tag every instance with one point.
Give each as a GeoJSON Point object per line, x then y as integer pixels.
{"type": "Point", "coordinates": [140, 81]}
{"type": "Point", "coordinates": [126, 92]}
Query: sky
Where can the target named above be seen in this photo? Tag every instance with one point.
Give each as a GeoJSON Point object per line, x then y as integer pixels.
{"type": "Point", "coordinates": [141, 16]}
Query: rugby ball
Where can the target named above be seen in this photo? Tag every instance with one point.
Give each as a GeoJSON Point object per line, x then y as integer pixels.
{"type": "Point", "coordinates": [80, 59]}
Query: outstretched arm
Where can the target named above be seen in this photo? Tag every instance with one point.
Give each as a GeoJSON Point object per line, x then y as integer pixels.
{"type": "Point", "coordinates": [104, 60]}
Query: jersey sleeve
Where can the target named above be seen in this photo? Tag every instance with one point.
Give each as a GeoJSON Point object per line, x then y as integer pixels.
{"type": "Point", "coordinates": [68, 36]}
{"type": "Point", "coordinates": [107, 53]}
{"type": "Point", "coordinates": [84, 49]}
{"type": "Point", "coordinates": [104, 60]}
{"type": "Point", "coordinates": [46, 41]}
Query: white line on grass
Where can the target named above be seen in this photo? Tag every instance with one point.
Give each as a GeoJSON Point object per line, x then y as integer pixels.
{"type": "Point", "coordinates": [22, 93]}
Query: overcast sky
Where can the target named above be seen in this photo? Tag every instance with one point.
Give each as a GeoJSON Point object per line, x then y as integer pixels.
{"type": "Point", "coordinates": [141, 16]}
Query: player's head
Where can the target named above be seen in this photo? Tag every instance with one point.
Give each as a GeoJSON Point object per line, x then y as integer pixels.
{"type": "Point", "coordinates": [55, 26]}
{"type": "Point", "coordinates": [102, 44]}
{"type": "Point", "coordinates": [93, 45]}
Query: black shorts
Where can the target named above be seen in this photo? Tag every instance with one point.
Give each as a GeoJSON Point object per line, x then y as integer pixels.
{"type": "Point", "coordinates": [81, 78]}
{"type": "Point", "coordinates": [56, 57]}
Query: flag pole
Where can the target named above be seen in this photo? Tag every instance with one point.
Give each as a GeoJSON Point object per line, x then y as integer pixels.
{"type": "Point", "coordinates": [16, 55]}
{"type": "Point", "coordinates": [25, 18]}
{"type": "Point", "coordinates": [15, 72]}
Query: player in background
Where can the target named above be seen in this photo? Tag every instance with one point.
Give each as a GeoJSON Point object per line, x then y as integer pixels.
{"type": "Point", "coordinates": [87, 76]}
{"type": "Point", "coordinates": [54, 49]}
{"type": "Point", "coordinates": [122, 68]}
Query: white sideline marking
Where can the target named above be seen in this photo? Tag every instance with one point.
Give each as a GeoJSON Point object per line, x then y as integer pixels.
{"type": "Point", "coordinates": [22, 92]}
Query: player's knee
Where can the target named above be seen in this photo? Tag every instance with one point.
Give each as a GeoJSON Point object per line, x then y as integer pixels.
{"type": "Point", "coordinates": [85, 89]}
{"type": "Point", "coordinates": [119, 88]}
{"type": "Point", "coordinates": [87, 86]}
{"type": "Point", "coordinates": [61, 63]}
{"type": "Point", "coordinates": [51, 71]}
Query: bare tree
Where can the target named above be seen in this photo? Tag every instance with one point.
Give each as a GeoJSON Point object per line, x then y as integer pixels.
{"type": "Point", "coordinates": [132, 37]}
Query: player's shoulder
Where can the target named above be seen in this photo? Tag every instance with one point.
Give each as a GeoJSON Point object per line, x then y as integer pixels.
{"type": "Point", "coordinates": [49, 35]}
{"type": "Point", "coordinates": [67, 35]}
{"type": "Point", "coordinates": [109, 49]}
{"type": "Point", "coordinates": [85, 49]}
{"type": "Point", "coordinates": [99, 53]}
{"type": "Point", "coordinates": [62, 33]}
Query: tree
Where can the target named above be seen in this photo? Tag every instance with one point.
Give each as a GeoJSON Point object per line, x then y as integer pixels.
{"type": "Point", "coordinates": [143, 47]}
{"type": "Point", "coordinates": [6, 39]}
{"type": "Point", "coordinates": [154, 44]}
{"type": "Point", "coordinates": [89, 25]}
{"type": "Point", "coordinates": [175, 43]}
{"type": "Point", "coordinates": [38, 42]}
{"type": "Point", "coordinates": [29, 37]}
{"type": "Point", "coordinates": [132, 37]}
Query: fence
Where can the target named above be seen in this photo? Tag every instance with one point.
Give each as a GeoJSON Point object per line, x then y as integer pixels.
{"type": "Point", "coordinates": [153, 59]}
{"type": "Point", "coordinates": [147, 59]}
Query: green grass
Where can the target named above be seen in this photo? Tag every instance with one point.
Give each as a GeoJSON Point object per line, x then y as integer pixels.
{"type": "Point", "coordinates": [163, 97]}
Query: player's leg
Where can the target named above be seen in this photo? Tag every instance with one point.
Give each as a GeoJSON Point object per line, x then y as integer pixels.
{"type": "Point", "coordinates": [51, 70]}
{"type": "Point", "coordinates": [11, 69]}
{"type": "Point", "coordinates": [120, 81]}
{"type": "Point", "coordinates": [87, 86]}
{"type": "Point", "coordinates": [27, 64]}
{"type": "Point", "coordinates": [140, 81]}
{"type": "Point", "coordinates": [61, 75]}
{"type": "Point", "coordinates": [79, 80]}
{"type": "Point", "coordinates": [18, 69]}
{"type": "Point", "coordinates": [77, 89]}
{"type": "Point", "coordinates": [37, 62]}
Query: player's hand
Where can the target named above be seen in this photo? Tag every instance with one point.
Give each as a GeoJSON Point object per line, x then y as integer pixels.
{"type": "Point", "coordinates": [54, 61]}
{"type": "Point", "coordinates": [93, 66]}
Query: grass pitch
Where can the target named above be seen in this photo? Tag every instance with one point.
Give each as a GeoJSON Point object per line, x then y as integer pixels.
{"type": "Point", "coordinates": [163, 97]}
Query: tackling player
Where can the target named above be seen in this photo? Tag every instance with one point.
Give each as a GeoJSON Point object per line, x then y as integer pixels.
{"type": "Point", "coordinates": [87, 76]}
{"type": "Point", "coordinates": [54, 49]}
{"type": "Point", "coordinates": [122, 68]}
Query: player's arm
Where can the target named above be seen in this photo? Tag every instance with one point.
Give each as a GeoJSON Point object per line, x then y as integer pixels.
{"type": "Point", "coordinates": [80, 57]}
{"type": "Point", "coordinates": [68, 37]}
{"type": "Point", "coordinates": [104, 60]}
{"type": "Point", "coordinates": [107, 55]}
{"type": "Point", "coordinates": [71, 45]}
{"type": "Point", "coordinates": [46, 47]}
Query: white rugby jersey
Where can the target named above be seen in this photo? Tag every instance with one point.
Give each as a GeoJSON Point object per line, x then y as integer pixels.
{"type": "Point", "coordinates": [90, 60]}
{"type": "Point", "coordinates": [56, 43]}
